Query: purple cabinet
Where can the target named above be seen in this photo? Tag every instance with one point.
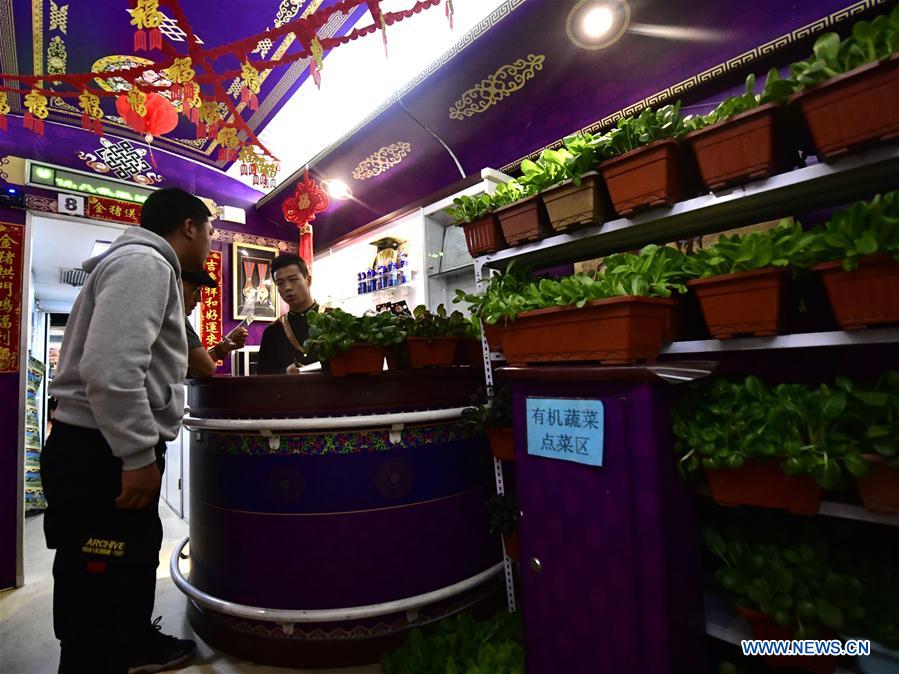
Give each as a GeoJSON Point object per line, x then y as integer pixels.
{"type": "Point", "coordinates": [610, 570]}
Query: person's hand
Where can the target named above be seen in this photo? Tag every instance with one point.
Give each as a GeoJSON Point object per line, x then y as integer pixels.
{"type": "Point", "coordinates": [238, 338]}
{"type": "Point", "coordinates": [139, 487]}
{"type": "Point", "coordinates": [293, 368]}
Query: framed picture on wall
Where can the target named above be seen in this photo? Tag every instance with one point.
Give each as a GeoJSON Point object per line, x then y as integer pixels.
{"type": "Point", "coordinates": [253, 290]}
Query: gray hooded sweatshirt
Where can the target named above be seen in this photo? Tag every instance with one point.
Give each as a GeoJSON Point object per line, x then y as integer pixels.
{"type": "Point", "coordinates": [124, 357]}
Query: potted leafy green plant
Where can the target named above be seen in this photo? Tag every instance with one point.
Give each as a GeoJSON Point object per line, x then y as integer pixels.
{"type": "Point", "coordinates": [774, 448]}
{"type": "Point", "coordinates": [432, 337]}
{"type": "Point", "coordinates": [873, 413]}
{"type": "Point", "coordinates": [482, 231]}
{"type": "Point", "coordinates": [352, 344]}
{"type": "Point", "coordinates": [503, 512]}
{"type": "Point", "coordinates": [520, 211]}
{"type": "Point", "coordinates": [642, 160]}
{"type": "Point", "coordinates": [571, 190]}
{"type": "Point", "coordinates": [618, 316]}
{"type": "Point", "coordinates": [741, 280]}
{"type": "Point", "coordinates": [851, 87]}
{"type": "Point", "coordinates": [494, 417]}
{"type": "Point", "coordinates": [461, 645]}
{"type": "Point", "coordinates": [744, 137]}
{"type": "Point", "coordinates": [861, 274]}
{"type": "Point", "coordinates": [787, 587]}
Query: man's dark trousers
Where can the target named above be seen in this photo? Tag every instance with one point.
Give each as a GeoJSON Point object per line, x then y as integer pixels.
{"type": "Point", "coordinates": [104, 572]}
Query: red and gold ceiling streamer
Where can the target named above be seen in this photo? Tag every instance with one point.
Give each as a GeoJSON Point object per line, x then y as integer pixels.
{"type": "Point", "coordinates": [200, 92]}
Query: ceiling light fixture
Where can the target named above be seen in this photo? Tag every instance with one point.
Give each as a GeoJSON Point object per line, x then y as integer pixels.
{"type": "Point", "coordinates": [598, 22]}
{"type": "Point", "coordinates": [337, 189]}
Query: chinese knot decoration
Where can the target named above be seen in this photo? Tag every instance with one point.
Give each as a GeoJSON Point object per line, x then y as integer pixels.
{"type": "Point", "coordinates": [307, 200]}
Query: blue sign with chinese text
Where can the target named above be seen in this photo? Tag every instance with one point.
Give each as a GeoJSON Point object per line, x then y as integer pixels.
{"type": "Point", "coordinates": [566, 429]}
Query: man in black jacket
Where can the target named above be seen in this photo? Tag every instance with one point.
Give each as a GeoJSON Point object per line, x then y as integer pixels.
{"type": "Point", "coordinates": [282, 341]}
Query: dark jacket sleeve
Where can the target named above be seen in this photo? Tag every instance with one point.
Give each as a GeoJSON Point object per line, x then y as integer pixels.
{"type": "Point", "coordinates": [268, 353]}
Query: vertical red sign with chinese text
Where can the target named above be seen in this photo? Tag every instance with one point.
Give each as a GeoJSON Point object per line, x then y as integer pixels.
{"type": "Point", "coordinates": [12, 238]}
{"type": "Point", "coordinates": [211, 303]}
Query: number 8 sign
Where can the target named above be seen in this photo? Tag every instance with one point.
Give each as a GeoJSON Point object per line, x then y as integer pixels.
{"type": "Point", "coordinates": [70, 204]}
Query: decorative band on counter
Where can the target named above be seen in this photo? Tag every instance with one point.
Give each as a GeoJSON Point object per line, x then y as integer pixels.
{"type": "Point", "coordinates": [344, 442]}
{"type": "Point", "coordinates": [347, 631]}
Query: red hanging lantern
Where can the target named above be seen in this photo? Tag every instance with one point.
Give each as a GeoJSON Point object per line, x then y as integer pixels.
{"type": "Point", "coordinates": [300, 209]}
{"type": "Point", "coordinates": [160, 118]}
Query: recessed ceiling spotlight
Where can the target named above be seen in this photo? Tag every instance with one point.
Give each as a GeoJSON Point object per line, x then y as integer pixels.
{"type": "Point", "coordinates": [337, 189]}
{"type": "Point", "coordinates": [597, 24]}
{"type": "Point", "coordinates": [598, 21]}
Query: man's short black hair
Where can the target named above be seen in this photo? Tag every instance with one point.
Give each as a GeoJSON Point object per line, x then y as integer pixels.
{"type": "Point", "coordinates": [165, 210]}
{"type": "Point", "coordinates": [288, 259]}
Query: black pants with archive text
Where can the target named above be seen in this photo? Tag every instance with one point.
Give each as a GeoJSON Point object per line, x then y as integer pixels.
{"type": "Point", "coordinates": [104, 573]}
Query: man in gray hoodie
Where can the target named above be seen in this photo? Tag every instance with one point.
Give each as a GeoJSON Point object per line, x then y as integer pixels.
{"type": "Point", "coordinates": [120, 389]}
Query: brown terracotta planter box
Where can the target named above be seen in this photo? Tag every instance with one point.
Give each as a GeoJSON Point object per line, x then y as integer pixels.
{"type": "Point", "coordinates": [358, 359]}
{"type": "Point", "coordinates": [484, 236]}
{"type": "Point", "coordinates": [745, 303]}
{"type": "Point", "coordinates": [523, 221]}
{"type": "Point", "coordinates": [494, 335]}
{"type": "Point", "coordinates": [513, 550]}
{"type": "Point", "coordinates": [469, 352]}
{"type": "Point", "coordinates": [764, 627]}
{"type": "Point", "coordinates": [644, 178]}
{"type": "Point", "coordinates": [746, 147]}
{"type": "Point", "coordinates": [439, 352]}
{"type": "Point", "coordinates": [614, 331]}
{"type": "Point", "coordinates": [502, 442]}
{"type": "Point", "coordinates": [864, 297]}
{"type": "Point", "coordinates": [570, 206]}
{"type": "Point", "coordinates": [854, 110]}
{"type": "Point", "coordinates": [880, 488]}
{"type": "Point", "coordinates": [763, 483]}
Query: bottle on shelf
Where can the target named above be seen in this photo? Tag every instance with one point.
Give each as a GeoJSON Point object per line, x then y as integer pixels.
{"type": "Point", "coordinates": [370, 280]}
{"type": "Point", "coordinates": [391, 274]}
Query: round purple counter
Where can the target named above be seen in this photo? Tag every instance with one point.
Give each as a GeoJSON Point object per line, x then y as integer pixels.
{"type": "Point", "coordinates": [295, 514]}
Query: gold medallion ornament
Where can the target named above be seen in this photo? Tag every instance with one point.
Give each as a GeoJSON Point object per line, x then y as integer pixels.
{"type": "Point", "coordinates": [382, 160]}
{"type": "Point", "coordinates": [500, 85]}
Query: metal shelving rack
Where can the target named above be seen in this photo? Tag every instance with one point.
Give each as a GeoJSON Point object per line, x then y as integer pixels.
{"type": "Point", "coordinates": [820, 185]}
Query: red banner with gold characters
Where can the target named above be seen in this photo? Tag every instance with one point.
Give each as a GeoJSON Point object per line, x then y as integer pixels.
{"type": "Point", "coordinates": [12, 239]}
{"type": "Point", "coordinates": [101, 208]}
{"type": "Point", "coordinates": [211, 303]}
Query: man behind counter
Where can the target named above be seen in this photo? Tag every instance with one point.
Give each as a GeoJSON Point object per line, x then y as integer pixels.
{"type": "Point", "coordinates": [282, 341]}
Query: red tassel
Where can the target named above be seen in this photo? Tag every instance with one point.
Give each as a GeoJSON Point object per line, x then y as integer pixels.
{"type": "Point", "coordinates": [98, 127]}
{"type": "Point", "coordinates": [140, 40]}
{"type": "Point", "coordinates": [254, 102]}
{"type": "Point", "coordinates": [85, 121]}
{"type": "Point", "coordinates": [316, 75]}
{"type": "Point", "coordinates": [194, 115]}
{"type": "Point", "coordinates": [155, 39]}
{"type": "Point", "coordinates": [28, 122]}
{"type": "Point", "coordinates": [201, 131]}
{"type": "Point", "coordinates": [39, 127]}
{"type": "Point", "coordinates": [152, 157]}
{"type": "Point", "coordinates": [185, 107]}
{"type": "Point", "coordinates": [3, 126]}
